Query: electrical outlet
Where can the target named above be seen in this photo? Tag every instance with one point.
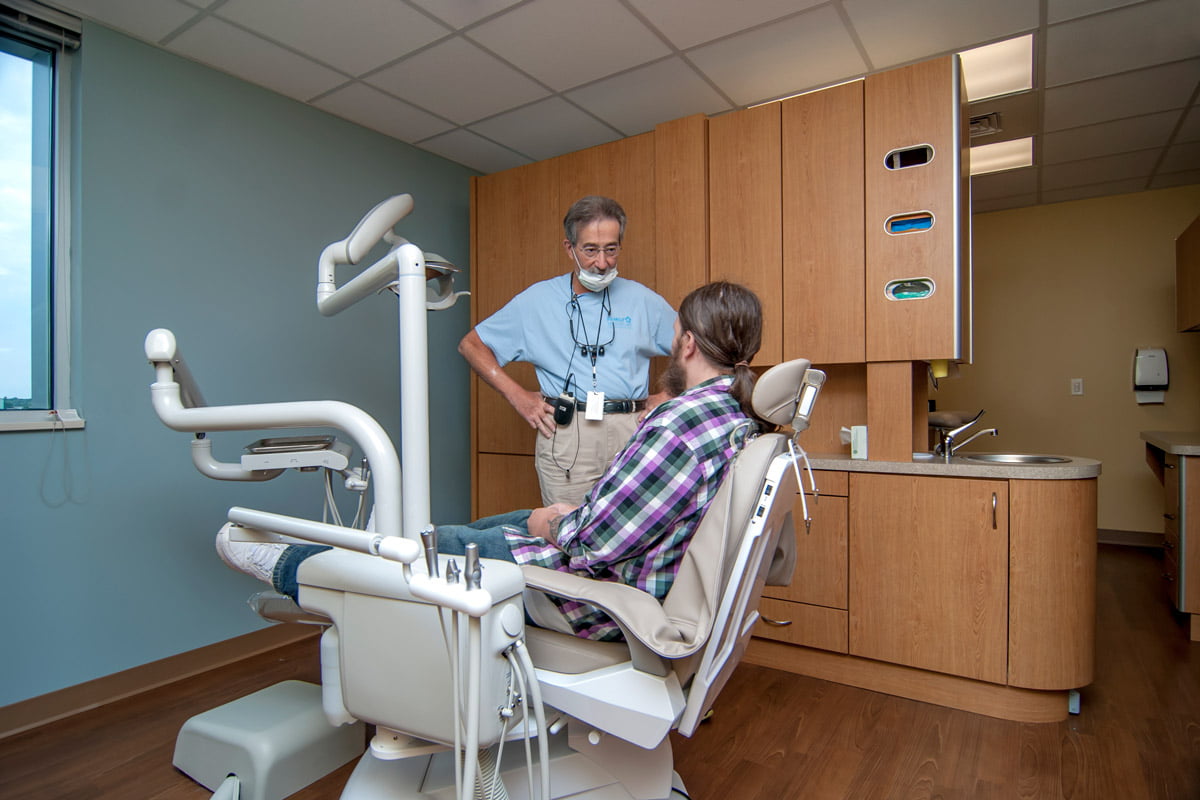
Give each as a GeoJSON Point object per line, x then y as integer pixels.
{"type": "Point", "coordinates": [1076, 385]}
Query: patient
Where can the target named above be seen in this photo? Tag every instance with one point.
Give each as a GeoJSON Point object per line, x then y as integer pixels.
{"type": "Point", "coordinates": [636, 522]}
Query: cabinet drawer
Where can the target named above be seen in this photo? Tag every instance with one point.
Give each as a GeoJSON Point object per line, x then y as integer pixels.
{"type": "Point", "coordinates": [829, 482]}
{"type": "Point", "coordinates": [808, 625]}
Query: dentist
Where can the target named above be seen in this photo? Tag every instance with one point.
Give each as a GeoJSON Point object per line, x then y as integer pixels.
{"type": "Point", "coordinates": [590, 336]}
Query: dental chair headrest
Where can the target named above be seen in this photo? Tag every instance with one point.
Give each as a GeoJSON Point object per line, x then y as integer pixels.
{"type": "Point", "coordinates": [777, 391]}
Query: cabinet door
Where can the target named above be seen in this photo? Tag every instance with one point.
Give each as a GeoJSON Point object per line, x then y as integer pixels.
{"type": "Point", "coordinates": [820, 574]}
{"type": "Point", "coordinates": [929, 573]}
{"type": "Point", "coordinates": [916, 187]}
{"type": "Point", "coordinates": [822, 151]}
{"type": "Point", "coordinates": [744, 217]}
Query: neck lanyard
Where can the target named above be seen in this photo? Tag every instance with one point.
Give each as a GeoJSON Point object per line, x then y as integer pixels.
{"type": "Point", "coordinates": [588, 348]}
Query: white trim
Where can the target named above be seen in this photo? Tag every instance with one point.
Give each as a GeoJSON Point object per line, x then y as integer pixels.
{"type": "Point", "coordinates": [63, 419]}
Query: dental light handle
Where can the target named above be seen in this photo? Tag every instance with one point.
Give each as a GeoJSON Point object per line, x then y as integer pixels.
{"type": "Point", "coordinates": [376, 225]}
{"type": "Point", "coordinates": [472, 571]}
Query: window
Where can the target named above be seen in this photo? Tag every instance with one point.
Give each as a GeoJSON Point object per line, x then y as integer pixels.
{"type": "Point", "coordinates": [34, 271]}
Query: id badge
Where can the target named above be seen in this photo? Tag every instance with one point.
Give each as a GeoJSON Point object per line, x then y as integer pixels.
{"type": "Point", "coordinates": [595, 406]}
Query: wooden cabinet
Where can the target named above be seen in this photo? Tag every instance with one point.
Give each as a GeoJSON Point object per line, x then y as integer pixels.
{"type": "Point", "coordinates": [1173, 460]}
{"type": "Point", "coordinates": [516, 240]}
{"type": "Point", "coordinates": [744, 222]}
{"type": "Point", "coordinates": [918, 274]}
{"type": "Point", "coordinates": [1187, 278]}
{"type": "Point", "coordinates": [929, 573]}
{"type": "Point", "coordinates": [812, 609]}
{"type": "Point", "coordinates": [823, 256]}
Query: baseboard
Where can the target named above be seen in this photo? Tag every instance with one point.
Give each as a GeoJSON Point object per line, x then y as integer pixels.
{"type": "Point", "coordinates": [1129, 538]}
{"type": "Point", "coordinates": [53, 706]}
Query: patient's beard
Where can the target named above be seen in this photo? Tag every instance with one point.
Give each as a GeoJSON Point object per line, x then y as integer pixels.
{"type": "Point", "coordinates": [674, 380]}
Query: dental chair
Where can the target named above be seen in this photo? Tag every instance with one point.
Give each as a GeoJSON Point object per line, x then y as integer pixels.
{"type": "Point", "coordinates": [439, 658]}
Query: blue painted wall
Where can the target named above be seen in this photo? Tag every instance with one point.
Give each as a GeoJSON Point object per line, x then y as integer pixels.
{"type": "Point", "coordinates": [201, 204]}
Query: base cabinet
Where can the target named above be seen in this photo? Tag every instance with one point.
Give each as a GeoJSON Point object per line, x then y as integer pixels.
{"type": "Point", "coordinates": [976, 593]}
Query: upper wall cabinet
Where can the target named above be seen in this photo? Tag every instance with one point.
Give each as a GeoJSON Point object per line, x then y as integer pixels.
{"type": "Point", "coordinates": [1187, 278]}
{"type": "Point", "coordinates": [918, 271]}
{"type": "Point", "coordinates": [744, 224]}
{"type": "Point", "coordinates": [822, 149]}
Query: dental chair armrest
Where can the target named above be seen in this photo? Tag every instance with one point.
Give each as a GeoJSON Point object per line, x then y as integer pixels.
{"type": "Point", "coordinates": [649, 632]}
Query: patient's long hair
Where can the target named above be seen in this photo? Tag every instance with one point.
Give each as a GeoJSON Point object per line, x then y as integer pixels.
{"type": "Point", "coordinates": [726, 321]}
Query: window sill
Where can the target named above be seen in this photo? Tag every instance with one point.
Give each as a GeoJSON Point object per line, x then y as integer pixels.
{"type": "Point", "coordinates": [63, 419]}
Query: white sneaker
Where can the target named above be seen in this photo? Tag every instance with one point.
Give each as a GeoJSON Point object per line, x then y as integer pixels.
{"type": "Point", "coordinates": [253, 558]}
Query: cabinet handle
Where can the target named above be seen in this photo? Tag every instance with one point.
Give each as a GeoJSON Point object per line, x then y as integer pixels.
{"type": "Point", "coordinates": [1168, 466]}
{"type": "Point", "coordinates": [775, 623]}
{"type": "Point", "coordinates": [1168, 516]}
{"type": "Point", "coordinates": [1168, 544]}
{"type": "Point", "coordinates": [995, 502]}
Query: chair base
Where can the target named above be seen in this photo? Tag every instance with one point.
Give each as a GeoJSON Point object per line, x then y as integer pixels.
{"type": "Point", "coordinates": [276, 741]}
{"type": "Point", "coordinates": [608, 770]}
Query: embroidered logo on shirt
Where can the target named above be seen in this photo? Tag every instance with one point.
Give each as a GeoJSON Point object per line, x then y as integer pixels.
{"type": "Point", "coordinates": [625, 323]}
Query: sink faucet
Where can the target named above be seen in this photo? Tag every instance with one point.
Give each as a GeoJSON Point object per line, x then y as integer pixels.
{"type": "Point", "coordinates": [946, 447]}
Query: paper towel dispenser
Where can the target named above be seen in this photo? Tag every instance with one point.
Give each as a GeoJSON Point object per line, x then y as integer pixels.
{"type": "Point", "coordinates": [1150, 377]}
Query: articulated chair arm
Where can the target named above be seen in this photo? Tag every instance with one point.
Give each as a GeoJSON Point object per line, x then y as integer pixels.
{"type": "Point", "coordinates": [651, 635]}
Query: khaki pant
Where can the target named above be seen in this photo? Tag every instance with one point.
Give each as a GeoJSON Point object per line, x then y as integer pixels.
{"type": "Point", "coordinates": [576, 455]}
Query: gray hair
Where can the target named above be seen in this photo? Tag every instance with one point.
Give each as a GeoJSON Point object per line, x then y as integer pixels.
{"type": "Point", "coordinates": [592, 208]}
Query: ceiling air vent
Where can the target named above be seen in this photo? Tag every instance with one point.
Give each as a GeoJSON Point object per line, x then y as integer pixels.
{"type": "Point", "coordinates": [985, 124]}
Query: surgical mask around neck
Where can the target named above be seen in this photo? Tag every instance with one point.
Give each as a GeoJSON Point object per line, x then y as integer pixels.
{"type": "Point", "coordinates": [594, 281]}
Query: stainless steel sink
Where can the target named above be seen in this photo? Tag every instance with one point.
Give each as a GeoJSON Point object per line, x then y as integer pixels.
{"type": "Point", "coordinates": [1015, 458]}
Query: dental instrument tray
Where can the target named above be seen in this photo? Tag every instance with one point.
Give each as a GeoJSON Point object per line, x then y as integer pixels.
{"type": "Point", "coordinates": [297, 452]}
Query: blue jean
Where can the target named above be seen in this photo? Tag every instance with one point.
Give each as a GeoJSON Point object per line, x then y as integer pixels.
{"type": "Point", "coordinates": [488, 533]}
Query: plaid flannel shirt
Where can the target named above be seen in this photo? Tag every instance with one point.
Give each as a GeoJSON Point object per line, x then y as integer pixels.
{"type": "Point", "coordinates": [636, 522]}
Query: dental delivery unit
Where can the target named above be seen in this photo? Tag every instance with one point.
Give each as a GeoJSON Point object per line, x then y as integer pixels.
{"type": "Point", "coordinates": [467, 700]}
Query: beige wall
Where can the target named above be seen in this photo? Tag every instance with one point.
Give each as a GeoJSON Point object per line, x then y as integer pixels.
{"type": "Point", "coordinates": [1071, 290]}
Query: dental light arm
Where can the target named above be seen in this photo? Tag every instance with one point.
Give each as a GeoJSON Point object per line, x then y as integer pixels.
{"type": "Point", "coordinates": [372, 440]}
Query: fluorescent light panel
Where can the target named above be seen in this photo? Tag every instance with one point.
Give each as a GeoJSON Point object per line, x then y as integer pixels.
{"type": "Point", "coordinates": [1001, 156]}
{"type": "Point", "coordinates": [998, 69]}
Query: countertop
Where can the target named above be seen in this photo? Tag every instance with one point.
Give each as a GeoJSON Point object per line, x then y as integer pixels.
{"type": "Point", "coordinates": [960, 467]}
{"type": "Point", "coordinates": [1180, 443]}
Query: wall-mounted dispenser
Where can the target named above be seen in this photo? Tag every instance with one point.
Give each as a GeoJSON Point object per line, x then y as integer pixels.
{"type": "Point", "coordinates": [1150, 379]}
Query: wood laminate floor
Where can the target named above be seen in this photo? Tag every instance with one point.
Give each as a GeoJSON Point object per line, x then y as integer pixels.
{"type": "Point", "coordinates": [774, 735]}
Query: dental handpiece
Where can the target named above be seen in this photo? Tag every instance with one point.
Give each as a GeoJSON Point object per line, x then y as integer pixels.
{"type": "Point", "coordinates": [473, 570]}
{"type": "Point", "coordinates": [429, 542]}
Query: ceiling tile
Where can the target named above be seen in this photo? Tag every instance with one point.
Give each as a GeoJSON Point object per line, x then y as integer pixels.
{"type": "Point", "coordinates": [1175, 179]}
{"type": "Point", "coordinates": [1004, 203]}
{"type": "Point", "coordinates": [688, 23]}
{"type": "Point", "coordinates": [802, 52]}
{"type": "Point", "coordinates": [474, 151]}
{"type": "Point", "coordinates": [895, 33]}
{"type": "Point", "coordinates": [148, 21]}
{"type": "Point", "coordinates": [1126, 95]}
{"type": "Point", "coordinates": [1094, 190]}
{"type": "Point", "coordinates": [461, 13]}
{"type": "Point", "coordinates": [456, 80]}
{"type": "Point", "coordinates": [337, 33]}
{"type": "Point", "coordinates": [1129, 38]}
{"type": "Point", "coordinates": [1004, 184]}
{"type": "Point", "coordinates": [1189, 131]}
{"type": "Point", "coordinates": [636, 101]}
{"type": "Point", "coordinates": [545, 129]}
{"type": "Point", "coordinates": [372, 108]}
{"type": "Point", "coordinates": [565, 43]}
{"type": "Point", "coordinates": [1062, 10]}
{"type": "Point", "coordinates": [1181, 158]}
{"type": "Point", "coordinates": [230, 49]}
{"type": "Point", "coordinates": [1098, 170]}
{"type": "Point", "coordinates": [1108, 138]}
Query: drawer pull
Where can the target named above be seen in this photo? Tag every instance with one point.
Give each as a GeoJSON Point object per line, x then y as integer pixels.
{"type": "Point", "coordinates": [1168, 516]}
{"type": "Point", "coordinates": [1168, 466]}
{"type": "Point", "coordinates": [1168, 544]}
{"type": "Point", "coordinates": [775, 623]}
{"type": "Point", "coordinates": [995, 502]}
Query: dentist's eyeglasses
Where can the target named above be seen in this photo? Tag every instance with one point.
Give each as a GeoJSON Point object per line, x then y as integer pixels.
{"type": "Point", "coordinates": [592, 251]}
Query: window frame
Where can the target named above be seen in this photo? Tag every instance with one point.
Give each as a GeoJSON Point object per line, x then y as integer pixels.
{"type": "Point", "coordinates": [62, 415]}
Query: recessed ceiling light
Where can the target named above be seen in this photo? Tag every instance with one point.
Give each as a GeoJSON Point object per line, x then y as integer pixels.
{"type": "Point", "coordinates": [1000, 156]}
{"type": "Point", "coordinates": [1001, 68]}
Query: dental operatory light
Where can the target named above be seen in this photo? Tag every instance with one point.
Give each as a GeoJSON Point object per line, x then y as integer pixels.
{"type": "Point", "coordinates": [998, 69]}
{"type": "Point", "coordinates": [1001, 156]}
